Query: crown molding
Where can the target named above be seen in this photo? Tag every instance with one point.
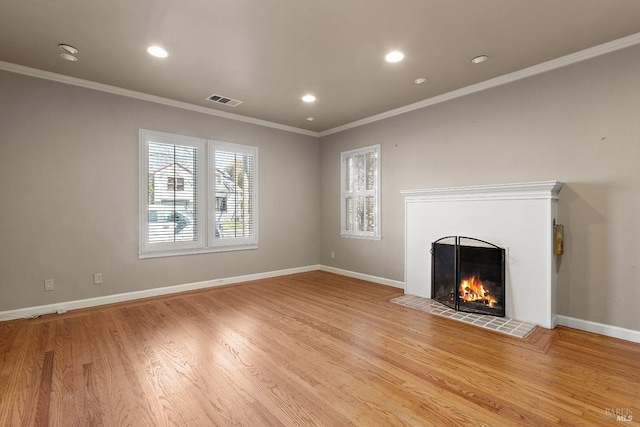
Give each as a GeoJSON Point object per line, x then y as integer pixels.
{"type": "Point", "coordinates": [74, 81]}
{"type": "Point", "coordinates": [553, 64]}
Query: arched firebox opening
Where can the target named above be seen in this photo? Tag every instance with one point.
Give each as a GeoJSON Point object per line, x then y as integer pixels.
{"type": "Point", "coordinates": [468, 275]}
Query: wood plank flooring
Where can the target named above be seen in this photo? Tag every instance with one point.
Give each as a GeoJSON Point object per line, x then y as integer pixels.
{"type": "Point", "coordinates": [312, 349]}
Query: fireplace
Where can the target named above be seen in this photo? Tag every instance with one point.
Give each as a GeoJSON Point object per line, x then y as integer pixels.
{"type": "Point", "coordinates": [468, 275]}
{"type": "Point", "coordinates": [518, 217]}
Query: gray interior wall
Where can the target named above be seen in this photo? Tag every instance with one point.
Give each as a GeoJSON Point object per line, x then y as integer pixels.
{"type": "Point", "coordinates": [69, 174]}
{"type": "Point", "coordinates": [578, 124]}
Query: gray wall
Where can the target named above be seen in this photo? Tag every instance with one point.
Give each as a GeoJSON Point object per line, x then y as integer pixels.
{"type": "Point", "coordinates": [579, 125]}
{"type": "Point", "coordinates": [69, 197]}
{"type": "Point", "coordinates": [69, 174]}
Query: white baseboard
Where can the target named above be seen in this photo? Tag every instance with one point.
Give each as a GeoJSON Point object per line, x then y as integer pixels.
{"type": "Point", "coordinates": [23, 313]}
{"type": "Point", "coordinates": [374, 279]}
{"type": "Point", "coordinates": [600, 328]}
{"type": "Point", "coordinates": [571, 322]}
{"type": "Point", "coordinates": [28, 312]}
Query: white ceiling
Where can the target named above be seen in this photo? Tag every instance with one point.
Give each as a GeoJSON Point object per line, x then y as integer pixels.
{"type": "Point", "coordinates": [269, 53]}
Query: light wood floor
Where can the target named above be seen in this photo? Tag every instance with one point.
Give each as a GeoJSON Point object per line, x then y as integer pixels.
{"type": "Point", "coordinates": [303, 350]}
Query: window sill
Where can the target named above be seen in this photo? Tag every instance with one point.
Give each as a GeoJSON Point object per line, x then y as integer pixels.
{"type": "Point", "coordinates": [357, 236]}
{"type": "Point", "coordinates": [194, 251]}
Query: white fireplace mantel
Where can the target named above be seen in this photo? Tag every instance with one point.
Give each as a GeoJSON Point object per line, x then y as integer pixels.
{"type": "Point", "coordinates": [518, 217]}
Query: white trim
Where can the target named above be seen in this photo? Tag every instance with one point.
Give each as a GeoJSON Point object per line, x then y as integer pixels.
{"type": "Point", "coordinates": [61, 307]}
{"type": "Point", "coordinates": [553, 64]}
{"type": "Point", "coordinates": [600, 328]}
{"type": "Point", "coordinates": [145, 247]}
{"type": "Point", "coordinates": [196, 251]}
{"type": "Point", "coordinates": [250, 242]}
{"type": "Point", "coordinates": [206, 241]}
{"type": "Point", "coordinates": [344, 192]}
{"type": "Point", "coordinates": [519, 191]}
{"type": "Point", "coordinates": [356, 236]}
{"type": "Point", "coordinates": [74, 81]}
{"type": "Point", "coordinates": [362, 276]}
{"type": "Point", "coordinates": [531, 276]}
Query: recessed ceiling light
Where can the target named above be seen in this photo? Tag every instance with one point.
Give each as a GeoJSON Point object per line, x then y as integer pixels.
{"type": "Point", "coordinates": [68, 48]}
{"type": "Point", "coordinates": [157, 51]}
{"type": "Point", "coordinates": [395, 56]}
{"type": "Point", "coordinates": [420, 81]}
{"type": "Point", "coordinates": [68, 57]}
{"type": "Point", "coordinates": [308, 98]}
{"type": "Point", "coordinates": [479, 59]}
{"type": "Point", "coordinates": [310, 119]}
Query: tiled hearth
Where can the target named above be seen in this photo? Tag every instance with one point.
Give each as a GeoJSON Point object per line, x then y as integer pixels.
{"type": "Point", "coordinates": [506, 325]}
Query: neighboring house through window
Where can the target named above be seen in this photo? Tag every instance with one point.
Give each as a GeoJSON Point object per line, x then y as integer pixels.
{"type": "Point", "coordinates": [210, 199]}
{"type": "Point", "coordinates": [360, 203]}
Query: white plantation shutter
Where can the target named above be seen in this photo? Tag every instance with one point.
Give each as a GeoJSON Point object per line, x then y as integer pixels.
{"type": "Point", "coordinates": [234, 180]}
{"type": "Point", "coordinates": [192, 201]}
{"type": "Point", "coordinates": [360, 205]}
{"type": "Point", "coordinates": [173, 193]}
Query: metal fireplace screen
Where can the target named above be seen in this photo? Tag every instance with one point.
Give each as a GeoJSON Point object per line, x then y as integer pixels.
{"type": "Point", "coordinates": [468, 275]}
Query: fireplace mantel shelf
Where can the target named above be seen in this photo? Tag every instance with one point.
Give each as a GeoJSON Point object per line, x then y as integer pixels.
{"type": "Point", "coordinates": [520, 191]}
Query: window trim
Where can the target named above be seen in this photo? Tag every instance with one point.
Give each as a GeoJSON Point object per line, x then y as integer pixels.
{"type": "Point", "coordinates": [367, 235]}
{"type": "Point", "coordinates": [206, 241]}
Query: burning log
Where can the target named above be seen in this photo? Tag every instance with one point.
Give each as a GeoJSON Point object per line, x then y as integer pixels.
{"type": "Point", "coordinates": [473, 290]}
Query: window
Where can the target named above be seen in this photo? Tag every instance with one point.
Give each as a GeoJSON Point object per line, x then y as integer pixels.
{"type": "Point", "coordinates": [360, 181]}
{"type": "Point", "coordinates": [221, 204]}
{"type": "Point", "coordinates": [209, 202]}
{"type": "Point", "coordinates": [175, 183]}
{"type": "Point", "coordinates": [234, 185]}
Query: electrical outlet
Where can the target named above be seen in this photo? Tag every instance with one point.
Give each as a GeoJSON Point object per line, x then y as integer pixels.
{"type": "Point", "coordinates": [49, 284]}
{"type": "Point", "coordinates": [97, 279]}
{"type": "Point", "coordinates": [333, 255]}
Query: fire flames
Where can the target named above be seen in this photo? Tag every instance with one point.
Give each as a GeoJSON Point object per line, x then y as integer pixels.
{"type": "Point", "coordinates": [472, 289]}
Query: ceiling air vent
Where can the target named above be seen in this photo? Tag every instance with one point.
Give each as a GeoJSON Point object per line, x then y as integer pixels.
{"type": "Point", "coordinates": [219, 99]}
